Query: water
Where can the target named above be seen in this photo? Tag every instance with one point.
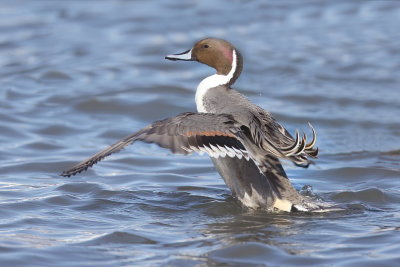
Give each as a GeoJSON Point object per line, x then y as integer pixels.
{"type": "Point", "coordinates": [78, 75]}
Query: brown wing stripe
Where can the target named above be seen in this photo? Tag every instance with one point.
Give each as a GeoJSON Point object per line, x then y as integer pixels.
{"type": "Point", "coordinates": [209, 133]}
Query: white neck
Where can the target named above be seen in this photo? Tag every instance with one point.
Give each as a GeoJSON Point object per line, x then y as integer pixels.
{"type": "Point", "coordinates": [211, 82]}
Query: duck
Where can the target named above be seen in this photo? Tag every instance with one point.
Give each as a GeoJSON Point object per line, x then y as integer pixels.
{"type": "Point", "coordinates": [244, 141]}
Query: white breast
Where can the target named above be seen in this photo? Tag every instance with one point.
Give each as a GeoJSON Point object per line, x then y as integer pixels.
{"type": "Point", "coordinates": [211, 82]}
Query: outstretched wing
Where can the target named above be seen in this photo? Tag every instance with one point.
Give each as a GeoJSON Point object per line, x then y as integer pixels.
{"type": "Point", "coordinates": [218, 135]}
{"type": "Point", "coordinates": [214, 134]}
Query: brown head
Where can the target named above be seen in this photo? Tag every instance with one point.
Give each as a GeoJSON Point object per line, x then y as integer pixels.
{"type": "Point", "coordinates": [216, 53]}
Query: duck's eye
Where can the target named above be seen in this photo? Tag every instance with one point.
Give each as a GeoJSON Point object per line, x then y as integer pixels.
{"type": "Point", "coordinates": [205, 46]}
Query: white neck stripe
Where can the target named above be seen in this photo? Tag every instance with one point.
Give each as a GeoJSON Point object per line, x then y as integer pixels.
{"type": "Point", "coordinates": [213, 81]}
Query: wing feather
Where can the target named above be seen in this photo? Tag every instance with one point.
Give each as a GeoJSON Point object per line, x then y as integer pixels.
{"type": "Point", "coordinates": [217, 135]}
{"type": "Point", "coordinates": [273, 138]}
{"type": "Point", "coordinates": [182, 134]}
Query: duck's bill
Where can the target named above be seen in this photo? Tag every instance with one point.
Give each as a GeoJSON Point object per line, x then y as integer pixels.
{"type": "Point", "coordinates": [187, 55]}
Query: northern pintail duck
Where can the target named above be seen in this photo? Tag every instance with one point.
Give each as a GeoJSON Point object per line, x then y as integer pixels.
{"type": "Point", "coordinates": [243, 140]}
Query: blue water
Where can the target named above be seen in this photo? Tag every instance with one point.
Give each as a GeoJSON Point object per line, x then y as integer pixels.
{"type": "Point", "coordinates": [77, 76]}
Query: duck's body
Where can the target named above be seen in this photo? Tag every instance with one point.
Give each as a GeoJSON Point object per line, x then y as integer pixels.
{"type": "Point", "coordinates": [243, 140]}
{"type": "Point", "coordinates": [253, 188]}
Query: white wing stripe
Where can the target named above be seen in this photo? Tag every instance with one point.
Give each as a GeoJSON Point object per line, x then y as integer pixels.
{"type": "Point", "coordinates": [216, 151]}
